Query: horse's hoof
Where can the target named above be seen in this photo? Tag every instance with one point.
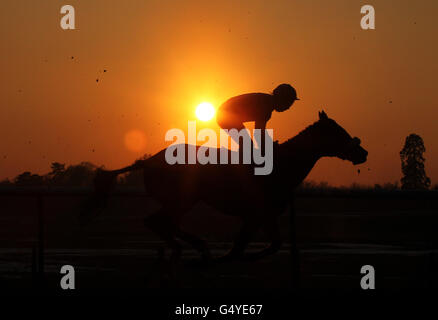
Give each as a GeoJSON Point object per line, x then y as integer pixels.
{"type": "Point", "coordinates": [251, 257]}
{"type": "Point", "coordinates": [200, 263]}
{"type": "Point", "coordinates": [226, 259]}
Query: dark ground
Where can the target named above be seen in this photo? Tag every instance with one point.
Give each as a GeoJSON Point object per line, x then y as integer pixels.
{"type": "Point", "coordinates": [337, 235]}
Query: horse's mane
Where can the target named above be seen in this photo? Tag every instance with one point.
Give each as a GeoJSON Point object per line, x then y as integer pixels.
{"type": "Point", "coordinates": [302, 134]}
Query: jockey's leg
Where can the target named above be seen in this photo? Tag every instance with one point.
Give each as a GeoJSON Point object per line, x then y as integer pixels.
{"type": "Point", "coordinates": [240, 136]}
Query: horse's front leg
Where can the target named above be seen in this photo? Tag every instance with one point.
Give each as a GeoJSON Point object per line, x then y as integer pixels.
{"type": "Point", "coordinates": [197, 243]}
{"type": "Point", "coordinates": [272, 231]}
{"type": "Point", "coordinates": [247, 231]}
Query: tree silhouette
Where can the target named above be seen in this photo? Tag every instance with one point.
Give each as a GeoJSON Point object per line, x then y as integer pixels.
{"type": "Point", "coordinates": [134, 178]}
{"type": "Point", "coordinates": [27, 179]}
{"type": "Point", "coordinates": [57, 168]}
{"type": "Point", "coordinates": [6, 182]}
{"type": "Point", "coordinates": [412, 162]}
{"type": "Point", "coordinates": [57, 174]}
{"type": "Point", "coordinates": [79, 175]}
{"type": "Point", "coordinates": [74, 175]}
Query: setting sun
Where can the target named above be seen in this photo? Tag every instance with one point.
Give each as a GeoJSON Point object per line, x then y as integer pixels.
{"type": "Point", "coordinates": [205, 111]}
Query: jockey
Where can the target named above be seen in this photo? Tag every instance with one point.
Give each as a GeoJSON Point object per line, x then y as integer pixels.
{"type": "Point", "coordinates": [257, 107]}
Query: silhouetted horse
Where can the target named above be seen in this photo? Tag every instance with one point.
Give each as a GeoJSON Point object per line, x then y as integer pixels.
{"type": "Point", "coordinates": [234, 189]}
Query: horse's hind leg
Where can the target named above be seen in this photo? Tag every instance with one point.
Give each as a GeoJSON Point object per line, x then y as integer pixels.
{"type": "Point", "coordinates": [162, 224]}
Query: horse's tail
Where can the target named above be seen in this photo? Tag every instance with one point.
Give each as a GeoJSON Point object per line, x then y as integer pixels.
{"type": "Point", "coordinates": [103, 182]}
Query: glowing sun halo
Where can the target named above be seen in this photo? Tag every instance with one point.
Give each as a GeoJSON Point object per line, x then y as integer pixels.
{"type": "Point", "coordinates": [205, 111]}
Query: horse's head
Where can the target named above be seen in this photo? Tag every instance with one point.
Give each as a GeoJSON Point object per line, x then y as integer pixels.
{"type": "Point", "coordinates": [337, 142]}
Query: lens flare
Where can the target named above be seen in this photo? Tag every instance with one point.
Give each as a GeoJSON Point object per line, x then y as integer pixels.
{"type": "Point", "coordinates": [135, 140]}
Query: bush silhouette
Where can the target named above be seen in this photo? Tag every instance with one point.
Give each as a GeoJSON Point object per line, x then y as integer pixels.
{"type": "Point", "coordinates": [27, 179]}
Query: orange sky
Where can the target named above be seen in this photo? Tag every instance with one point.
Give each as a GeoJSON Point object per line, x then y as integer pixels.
{"type": "Point", "coordinates": [164, 57]}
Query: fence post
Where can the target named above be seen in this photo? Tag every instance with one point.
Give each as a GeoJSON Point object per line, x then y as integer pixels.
{"type": "Point", "coordinates": [294, 253]}
{"type": "Point", "coordinates": [40, 251]}
{"type": "Point", "coordinates": [34, 265]}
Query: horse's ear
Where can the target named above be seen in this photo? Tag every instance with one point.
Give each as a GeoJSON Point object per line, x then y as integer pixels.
{"type": "Point", "coordinates": [322, 115]}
